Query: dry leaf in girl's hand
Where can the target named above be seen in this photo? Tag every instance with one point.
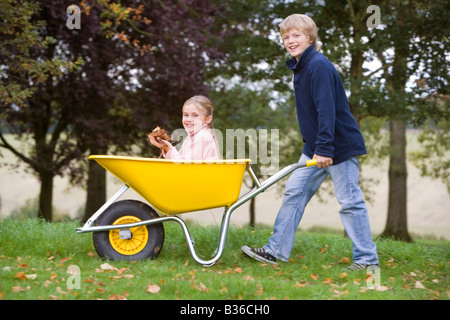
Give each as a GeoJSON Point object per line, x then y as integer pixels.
{"type": "Point", "coordinates": [160, 134]}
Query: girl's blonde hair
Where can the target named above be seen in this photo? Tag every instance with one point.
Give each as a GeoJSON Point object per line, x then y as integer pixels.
{"type": "Point", "coordinates": [302, 23]}
{"type": "Point", "coordinates": [203, 103]}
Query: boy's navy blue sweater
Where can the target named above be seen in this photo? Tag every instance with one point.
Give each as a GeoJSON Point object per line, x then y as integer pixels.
{"type": "Point", "coordinates": [326, 123]}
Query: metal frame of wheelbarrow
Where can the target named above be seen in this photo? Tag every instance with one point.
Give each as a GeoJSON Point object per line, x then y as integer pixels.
{"type": "Point", "coordinates": [260, 187]}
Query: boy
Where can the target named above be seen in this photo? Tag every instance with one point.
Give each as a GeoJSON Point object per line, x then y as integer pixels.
{"type": "Point", "coordinates": [331, 136]}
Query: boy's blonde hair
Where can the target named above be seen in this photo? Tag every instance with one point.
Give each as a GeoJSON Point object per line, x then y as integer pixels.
{"type": "Point", "coordinates": [302, 23]}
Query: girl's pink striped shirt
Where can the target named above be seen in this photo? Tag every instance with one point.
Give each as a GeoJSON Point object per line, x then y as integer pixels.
{"type": "Point", "coordinates": [200, 145]}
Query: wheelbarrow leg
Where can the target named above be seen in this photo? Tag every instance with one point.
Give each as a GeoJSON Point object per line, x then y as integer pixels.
{"type": "Point", "coordinates": [111, 200]}
{"type": "Point", "coordinates": [220, 232]}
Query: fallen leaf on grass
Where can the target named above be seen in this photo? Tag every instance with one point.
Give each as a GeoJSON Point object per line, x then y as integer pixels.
{"type": "Point", "coordinates": [25, 277]}
{"type": "Point", "coordinates": [21, 275]}
{"type": "Point", "coordinates": [344, 260]}
{"type": "Point", "coordinates": [200, 287]}
{"type": "Point", "coordinates": [381, 288]}
{"type": "Point", "coordinates": [153, 288]}
{"type": "Point", "coordinates": [117, 297]}
{"type": "Point", "coordinates": [107, 267]}
{"type": "Point", "coordinates": [249, 278]}
{"type": "Point", "coordinates": [376, 288]}
{"type": "Point", "coordinates": [314, 276]}
{"type": "Point", "coordinates": [60, 291]}
{"type": "Point", "coordinates": [260, 289]}
{"type": "Point", "coordinates": [17, 289]}
{"type": "Point", "coordinates": [327, 280]}
{"type": "Point", "coordinates": [203, 287]}
{"type": "Point", "coordinates": [126, 276]}
{"type": "Point", "coordinates": [419, 285]}
{"type": "Point", "coordinates": [339, 293]}
{"type": "Point", "coordinates": [61, 262]}
{"type": "Point", "coordinates": [121, 270]}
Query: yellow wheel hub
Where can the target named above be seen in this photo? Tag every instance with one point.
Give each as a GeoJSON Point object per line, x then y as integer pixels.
{"type": "Point", "coordinates": [139, 237]}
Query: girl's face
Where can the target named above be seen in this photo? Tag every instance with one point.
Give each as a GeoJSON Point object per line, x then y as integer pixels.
{"type": "Point", "coordinates": [193, 118]}
{"type": "Point", "coordinates": [296, 42]}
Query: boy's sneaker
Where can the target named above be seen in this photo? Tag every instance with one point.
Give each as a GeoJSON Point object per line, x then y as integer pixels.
{"type": "Point", "coordinates": [259, 254]}
{"type": "Point", "coordinates": [360, 266]}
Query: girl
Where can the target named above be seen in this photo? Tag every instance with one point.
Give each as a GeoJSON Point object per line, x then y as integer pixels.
{"type": "Point", "coordinates": [200, 144]}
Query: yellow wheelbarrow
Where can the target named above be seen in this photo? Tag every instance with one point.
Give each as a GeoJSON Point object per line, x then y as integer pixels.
{"type": "Point", "coordinates": [133, 230]}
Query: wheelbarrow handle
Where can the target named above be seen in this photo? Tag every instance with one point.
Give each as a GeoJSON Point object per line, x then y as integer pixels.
{"type": "Point", "coordinates": [311, 163]}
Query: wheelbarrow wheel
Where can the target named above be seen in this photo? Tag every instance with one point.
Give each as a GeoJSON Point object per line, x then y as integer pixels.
{"type": "Point", "coordinates": [143, 242]}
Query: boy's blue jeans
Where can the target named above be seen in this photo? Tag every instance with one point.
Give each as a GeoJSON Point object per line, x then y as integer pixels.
{"type": "Point", "coordinates": [301, 186]}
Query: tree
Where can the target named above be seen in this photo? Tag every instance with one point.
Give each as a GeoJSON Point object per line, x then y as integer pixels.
{"type": "Point", "coordinates": [56, 105]}
{"type": "Point", "coordinates": [419, 50]}
{"type": "Point", "coordinates": [140, 64]}
{"type": "Point", "coordinates": [23, 75]}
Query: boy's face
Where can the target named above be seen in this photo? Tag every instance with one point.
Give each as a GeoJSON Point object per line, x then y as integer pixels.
{"type": "Point", "coordinates": [296, 42]}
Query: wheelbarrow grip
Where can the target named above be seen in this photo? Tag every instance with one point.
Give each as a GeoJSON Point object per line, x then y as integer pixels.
{"type": "Point", "coordinates": [311, 163]}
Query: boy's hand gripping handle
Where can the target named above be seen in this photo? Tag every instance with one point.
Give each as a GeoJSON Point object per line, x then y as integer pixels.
{"type": "Point", "coordinates": [311, 163]}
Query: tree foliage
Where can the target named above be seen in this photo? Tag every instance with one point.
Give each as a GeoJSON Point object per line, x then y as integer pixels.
{"type": "Point", "coordinates": [140, 62]}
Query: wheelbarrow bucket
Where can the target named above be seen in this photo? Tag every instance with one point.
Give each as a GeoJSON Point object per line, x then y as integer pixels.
{"type": "Point", "coordinates": [175, 187]}
{"type": "Point", "coordinates": [171, 188]}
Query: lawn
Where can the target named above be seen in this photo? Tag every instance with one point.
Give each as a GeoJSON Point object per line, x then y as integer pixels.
{"type": "Point", "coordinates": [49, 261]}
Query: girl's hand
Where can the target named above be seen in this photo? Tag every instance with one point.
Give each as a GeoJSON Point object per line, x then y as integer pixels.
{"type": "Point", "coordinates": [323, 162]}
{"type": "Point", "coordinates": [164, 145]}
{"type": "Point", "coordinates": [167, 144]}
{"type": "Point", "coordinates": [155, 143]}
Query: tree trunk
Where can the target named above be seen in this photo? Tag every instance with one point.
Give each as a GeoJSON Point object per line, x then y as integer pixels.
{"type": "Point", "coordinates": [46, 196]}
{"type": "Point", "coordinates": [396, 224]}
{"type": "Point", "coordinates": [356, 71]}
{"type": "Point", "coordinates": [96, 189]}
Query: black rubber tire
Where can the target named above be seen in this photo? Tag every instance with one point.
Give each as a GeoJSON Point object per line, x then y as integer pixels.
{"type": "Point", "coordinates": [137, 209]}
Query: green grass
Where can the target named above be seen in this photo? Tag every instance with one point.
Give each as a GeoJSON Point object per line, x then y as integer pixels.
{"type": "Point", "coordinates": [35, 256]}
